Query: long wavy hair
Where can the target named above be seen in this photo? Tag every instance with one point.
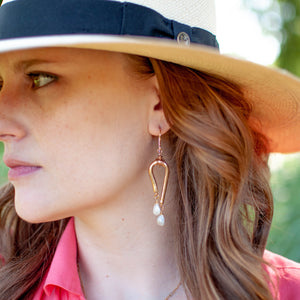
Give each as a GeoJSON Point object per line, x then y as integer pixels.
{"type": "Point", "coordinates": [224, 202]}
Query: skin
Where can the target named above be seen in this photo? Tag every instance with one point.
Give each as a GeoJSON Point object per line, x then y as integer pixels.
{"type": "Point", "coordinates": [91, 127]}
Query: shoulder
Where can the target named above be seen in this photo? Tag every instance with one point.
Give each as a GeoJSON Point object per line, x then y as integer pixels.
{"type": "Point", "coordinates": [285, 275]}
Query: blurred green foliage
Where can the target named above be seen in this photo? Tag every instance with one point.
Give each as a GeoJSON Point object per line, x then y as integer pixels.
{"type": "Point", "coordinates": [281, 18]}
{"type": "Point", "coordinates": [284, 235]}
{"type": "Point", "coordinates": [289, 57]}
{"type": "Point", "coordinates": [3, 168]}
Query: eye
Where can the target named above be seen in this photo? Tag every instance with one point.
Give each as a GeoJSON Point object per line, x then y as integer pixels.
{"type": "Point", "coordinates": [1, 84]}
{"type": "Point", "coordinates": [41, 79]}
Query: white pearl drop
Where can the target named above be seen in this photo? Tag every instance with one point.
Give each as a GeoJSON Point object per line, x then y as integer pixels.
{"type": "Point", "coordinates": [156, 209]}
{"type": "Point", "coordinates": [160, 220]}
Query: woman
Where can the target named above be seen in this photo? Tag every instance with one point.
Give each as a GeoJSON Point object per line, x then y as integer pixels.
{"type": "Point", "coordinates": [93, 100]}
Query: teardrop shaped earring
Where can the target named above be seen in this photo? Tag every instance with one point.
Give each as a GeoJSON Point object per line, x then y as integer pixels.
{"type": "Point", "coordinates": [159, 199]}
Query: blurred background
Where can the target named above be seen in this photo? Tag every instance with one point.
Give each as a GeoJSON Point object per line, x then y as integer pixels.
{"type": "Point", "coordinates": [266, 32]}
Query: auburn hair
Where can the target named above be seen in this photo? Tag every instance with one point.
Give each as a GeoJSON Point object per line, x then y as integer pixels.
{"type": "Point", "coordinates": [224, 202]}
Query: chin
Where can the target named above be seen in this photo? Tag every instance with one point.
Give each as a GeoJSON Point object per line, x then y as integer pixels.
{"type": "Point", "coordinates": [32, 211]}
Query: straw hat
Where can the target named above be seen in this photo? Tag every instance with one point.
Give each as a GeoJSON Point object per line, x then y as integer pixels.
{"type": "Point", "coordinates": [180, 31]}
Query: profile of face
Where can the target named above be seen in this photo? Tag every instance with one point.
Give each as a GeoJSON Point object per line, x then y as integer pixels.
{"type": "Point", "coordinates": [78, 129]}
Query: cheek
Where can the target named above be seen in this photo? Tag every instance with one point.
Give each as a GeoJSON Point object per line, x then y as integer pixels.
{"type": "Point", "coordinates": [95, 153]}
{"type": "Point", "coordinates": [100, 155]}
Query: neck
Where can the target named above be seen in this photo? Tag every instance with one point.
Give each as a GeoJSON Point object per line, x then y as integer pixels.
{"type": "Point", "coordinates": [123, 253]}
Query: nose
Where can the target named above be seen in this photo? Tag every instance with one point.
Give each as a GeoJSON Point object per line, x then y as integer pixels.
{"type": "Point", "coordinates": [9, 131]}
{"type": "Point", "coordinates": [10, 122]}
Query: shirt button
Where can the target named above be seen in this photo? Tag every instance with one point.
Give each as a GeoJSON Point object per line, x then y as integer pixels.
{"type": "Point", "coordinates": [183, 38]}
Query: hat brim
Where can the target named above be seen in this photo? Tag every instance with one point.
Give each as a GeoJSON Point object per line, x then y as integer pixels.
{"type": "Point", "coordinates": [274, 94]}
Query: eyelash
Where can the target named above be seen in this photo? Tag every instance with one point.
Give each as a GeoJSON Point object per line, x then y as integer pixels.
{"type": "Point", "coordinates": [38, 83]}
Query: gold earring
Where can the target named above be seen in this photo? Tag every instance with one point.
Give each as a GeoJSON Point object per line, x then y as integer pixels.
{"type": "Point", "coordinates": [159, 200]}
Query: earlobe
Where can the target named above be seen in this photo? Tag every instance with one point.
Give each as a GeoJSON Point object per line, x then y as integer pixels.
{"type": "Point", "coordinates": [157, 120]}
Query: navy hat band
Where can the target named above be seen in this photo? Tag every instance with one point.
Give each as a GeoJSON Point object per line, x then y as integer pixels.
{"type": "Point", "coordinates": [30, 18]}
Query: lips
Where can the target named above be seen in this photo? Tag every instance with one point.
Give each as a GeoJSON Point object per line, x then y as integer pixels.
{"type": "Point", "coordinates": [20, 168]}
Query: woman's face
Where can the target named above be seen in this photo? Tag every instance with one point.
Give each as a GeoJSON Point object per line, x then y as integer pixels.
{"type": "Point", "coordinates": [75, 124]}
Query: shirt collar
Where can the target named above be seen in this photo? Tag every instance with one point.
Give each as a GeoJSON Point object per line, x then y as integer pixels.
{"type": "Point", "coordinates": [63, 271]}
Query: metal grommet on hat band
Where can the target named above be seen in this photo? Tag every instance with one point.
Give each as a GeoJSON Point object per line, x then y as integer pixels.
{"type": "Point", "coordinates": [183, 38]}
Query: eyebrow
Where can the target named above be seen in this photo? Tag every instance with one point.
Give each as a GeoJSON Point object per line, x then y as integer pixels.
{"type": "Point", "coordinates": [23, 64]}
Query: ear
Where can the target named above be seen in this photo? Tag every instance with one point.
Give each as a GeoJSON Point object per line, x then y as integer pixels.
{"type": "Point", "coordinates": [157, 121]}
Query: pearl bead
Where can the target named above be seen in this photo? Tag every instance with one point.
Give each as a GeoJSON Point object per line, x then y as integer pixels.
{"type": "Point", "coordinates": [156, 209]}
{"type": "Point", "coordinates": [160, 220]}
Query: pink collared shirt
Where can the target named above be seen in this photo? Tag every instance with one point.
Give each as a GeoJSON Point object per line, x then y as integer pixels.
{"type": "Point", "coordinates": [62, 280]}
